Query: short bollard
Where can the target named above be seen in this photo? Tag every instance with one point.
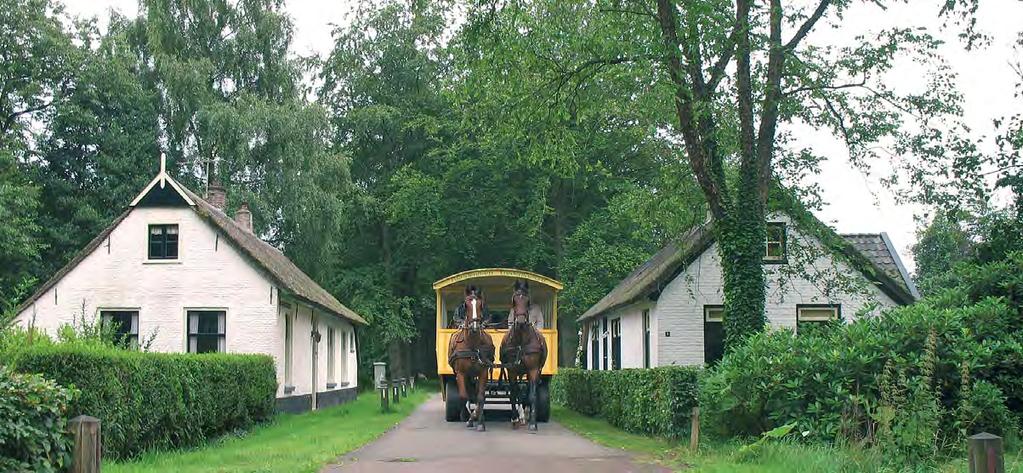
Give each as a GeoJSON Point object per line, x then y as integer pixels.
{"type": "Point", "coordinates": [396, 391]}
{"type": "Point", "coordinates": [86, 453]}
{"type": "Point", "coordinates": [986, 453]}
{"type": "Point", "coordinates": [412, 383]}
{"type": "Point", "coordinates": [404, 387]}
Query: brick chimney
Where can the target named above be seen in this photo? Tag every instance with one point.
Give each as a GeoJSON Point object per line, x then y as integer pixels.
{"type": "Point", "coordinates": [216, 195]}
{"type": "Point", "coordinates": [244, 217]}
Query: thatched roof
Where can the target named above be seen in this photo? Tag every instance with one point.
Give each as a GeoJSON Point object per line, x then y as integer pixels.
{"type": "Point", "coordinates": [872, 254]}
{"type": "Point", "coordinates": [277, 267]}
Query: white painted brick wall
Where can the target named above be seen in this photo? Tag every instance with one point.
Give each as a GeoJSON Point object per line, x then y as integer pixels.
{"type": "Point", "coordinates": [679, 309]}
{"type": "Point", "coordinates": [207, 274]}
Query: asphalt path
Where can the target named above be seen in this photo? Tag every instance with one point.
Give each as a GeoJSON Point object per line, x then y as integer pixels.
{"type": "Point", "coordinates": [424, 443]}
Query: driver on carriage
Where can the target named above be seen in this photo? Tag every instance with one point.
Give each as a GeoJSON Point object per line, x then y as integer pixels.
{"type": "Point", "coordinates": [534, 314]}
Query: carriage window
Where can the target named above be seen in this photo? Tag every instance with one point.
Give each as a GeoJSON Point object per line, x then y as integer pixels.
{"type": "Point", "coordinates": [713, 333]}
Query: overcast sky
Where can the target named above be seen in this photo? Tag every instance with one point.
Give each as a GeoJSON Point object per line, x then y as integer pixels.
{"type": "Point", "coordinates": [856, 203]}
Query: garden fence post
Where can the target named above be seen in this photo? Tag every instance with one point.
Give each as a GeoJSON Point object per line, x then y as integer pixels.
{"type": "Point", "coordinates": [986, 453]}
{"type": "Point", "coordinates": [396, 393]}
{"type": "Point", "coordinates": [694, 430]}
{"type": "Point", "coordinates": [87, 451]}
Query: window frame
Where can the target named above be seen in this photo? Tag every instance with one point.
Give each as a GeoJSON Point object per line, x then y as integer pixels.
{"type": "Point", "coordinates": [837, 314]}
{"type": "Point", "coordinates": [595, 344]}
{"type": "Point", "coordinates": [289, 349]}
{"type": "Point", "coordinates": [604, 342]}
{"type": "Point", "coordinates": [177, 242]}
{"type": "Point", "coordinates": [133, 337]}
{"type": "Point", "coordinates": [709, 319]}
{"type": "Point", "coordinates": [646, 337]}
{"type": "Point", "coordinates": [221, 336]}
{"type": "Point", "coordinates": [331, 355]}
{"type": "Point", "coordinates": [616, 343]}
{"type": "Point", "coordinates": [783, 259]}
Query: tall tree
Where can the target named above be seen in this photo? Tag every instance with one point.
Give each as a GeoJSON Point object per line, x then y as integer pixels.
{"type": "Point", "coordinates": [736, 72]}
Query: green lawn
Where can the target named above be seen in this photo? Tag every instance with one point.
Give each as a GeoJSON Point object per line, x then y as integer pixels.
{"type": "Point", "coordinates": [291, 443]}
{"type": "Point", "coordinates": [780, 457]}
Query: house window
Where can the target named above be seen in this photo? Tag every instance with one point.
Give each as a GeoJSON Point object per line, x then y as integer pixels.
{"type": "Point", "coordinates": [206, 330]}
{"type": "Point", "coordinates": [289, 333]}
{"type": "Point", "coordinates": [330, 354]}
{"type": "Point", "coordinates": [616, 344]}
{"type": "Point", "coordinates": [163, 242]}
{"type": "Point", "coordinates": [774, 247]}
{"type": "Point", "coordinates": [594, 345]}
{"type": "Point", "coordinates": [344, 357]}
{"type": "Point", "coordinates": [603, 343]}
{"type": "Point", "coordinates": [125, 325]}
{"type": "Point", "coordinates": [646, 338]}
{"type": "Point", "coordinates": [816, 315]}
{"type": "Point", "coordinates": [713, 333]}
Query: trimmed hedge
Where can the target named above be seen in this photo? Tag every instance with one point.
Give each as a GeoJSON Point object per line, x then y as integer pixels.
{"type": "Point", "coordinates": [34, 412]}
{"type": "Point", "coordinates": [655, 401]}
{"type": "Point", "coordinates": [158, 400]}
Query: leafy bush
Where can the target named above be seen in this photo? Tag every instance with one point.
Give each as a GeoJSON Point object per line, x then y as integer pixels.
{"type": "Point", "coordinates": [32, 433]}
{"type": "Point", "coordinates": [158, 400]}
{"type": "Point", "coordinates": [655, 401]}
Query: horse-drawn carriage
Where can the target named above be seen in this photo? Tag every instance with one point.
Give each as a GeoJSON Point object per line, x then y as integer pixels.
{"type": "Point", "coordinates": [505, 296]}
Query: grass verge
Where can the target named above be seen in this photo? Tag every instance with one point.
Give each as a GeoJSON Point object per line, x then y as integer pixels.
{"type": "Point", "coordinates": [777, 457]}
{"type": "Point", "coordinates": [291, 443]}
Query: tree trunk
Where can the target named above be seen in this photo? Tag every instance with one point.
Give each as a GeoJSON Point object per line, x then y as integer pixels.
{"type": "Point", "coordinates": [741, 235]}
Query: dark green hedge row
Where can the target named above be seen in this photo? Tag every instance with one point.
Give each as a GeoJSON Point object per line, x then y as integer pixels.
{"type": "Point", "coordinates": [158, 400]}
{"type": "Point", "coordinates": [34, 413]}
{"type": "Point", "coordinates": [655, 401]}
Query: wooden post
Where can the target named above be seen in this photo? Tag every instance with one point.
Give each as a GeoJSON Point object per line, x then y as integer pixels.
{"type": "Point", "coordinates": [694, 429]}
{"type": "Point", "coordinates": [87, 451]}
{"type": "Point", "coordinates": [986, 453]}
{"type": "Point", "coordinates": [404, 387]}
{"type": "Point", "coordinates": [396, 392]}
{"type": "Point", "coordinates": [384, 390]}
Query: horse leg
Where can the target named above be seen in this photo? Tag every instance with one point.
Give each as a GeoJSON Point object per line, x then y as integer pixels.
{"type": "Point", "coordinates": [534, 380]}
{"type": "Point", "coordinates": [513, 395]}
{"type": "Point", "coordinates": [463, 393]}
{"type": "Point", "coordinates": [481, 399]}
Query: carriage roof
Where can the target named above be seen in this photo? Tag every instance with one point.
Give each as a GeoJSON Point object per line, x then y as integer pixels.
{"type": "Point", "coordinates": [498, 273]}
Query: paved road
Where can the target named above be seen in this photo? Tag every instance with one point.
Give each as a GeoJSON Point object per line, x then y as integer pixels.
{"type": "Point", "coordinates": [425, 443]}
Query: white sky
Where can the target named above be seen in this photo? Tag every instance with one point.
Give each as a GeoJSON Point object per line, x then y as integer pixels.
{"type": "Point", "coordinates": [856, 203]}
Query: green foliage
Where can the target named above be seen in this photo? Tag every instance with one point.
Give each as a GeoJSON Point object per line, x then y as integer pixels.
{"type": "Point", "coordinates": [656, 401]}
{"type": "Point", "coordinates": [904, 380]}
{"type": "Point", "coordinates": [155, 401]}
{"type": "Point", "coordinates": [32, 435]}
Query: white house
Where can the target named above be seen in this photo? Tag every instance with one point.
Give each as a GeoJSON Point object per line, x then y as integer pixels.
{"type": "Point", "coordinates": [175, 271]}
{"type": "Point", "coordinates": [669, 310]}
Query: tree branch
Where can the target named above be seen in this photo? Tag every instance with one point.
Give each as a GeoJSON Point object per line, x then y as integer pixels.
{"type": "Point", "coordinates": [808, 25]}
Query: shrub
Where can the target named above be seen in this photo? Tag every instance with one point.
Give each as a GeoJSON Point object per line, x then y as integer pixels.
{"type": "Point", "coordinates": [655, 401]}
{"type": "Point", "coordinates": [32, 433]}
{"type": "Point", "coordinates": [158, 400]}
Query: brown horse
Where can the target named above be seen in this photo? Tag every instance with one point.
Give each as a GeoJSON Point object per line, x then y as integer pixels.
{"type": "Point", "coordinates": [471, 356]}
{"type": "Point", "coordinates": [523, 353]}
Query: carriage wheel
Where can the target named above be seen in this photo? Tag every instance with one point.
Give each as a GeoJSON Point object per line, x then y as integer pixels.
{"type": "Point", "coordinates": [543, 402]}
{"type": "Point", "coordinates": [453, 406]}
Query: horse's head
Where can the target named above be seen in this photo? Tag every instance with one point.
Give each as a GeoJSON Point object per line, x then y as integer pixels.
{"type": "Point", "coordinates": [473, 310]}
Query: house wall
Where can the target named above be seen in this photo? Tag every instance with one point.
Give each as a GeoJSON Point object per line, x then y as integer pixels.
{"type": "Point", "coordinates": [305, 319]}
{"type": "Point", "coordinates": [677, 315]}
{"type": "Point", "coordinates": [631, 317]}
{"type": "Point", "coordinates": [210, 274]}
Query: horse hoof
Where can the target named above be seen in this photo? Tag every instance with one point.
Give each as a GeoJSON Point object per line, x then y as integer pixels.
{"type": "Point", "coordinates": [470, 424]}
{"type": "Point", "coordinates": [533, 428]}
{"type": "Point", "coordinates": [481, 428]}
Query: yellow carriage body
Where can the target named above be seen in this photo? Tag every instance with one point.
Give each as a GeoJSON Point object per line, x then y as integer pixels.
{"type": "Point", "coordinates": [496, 284]}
